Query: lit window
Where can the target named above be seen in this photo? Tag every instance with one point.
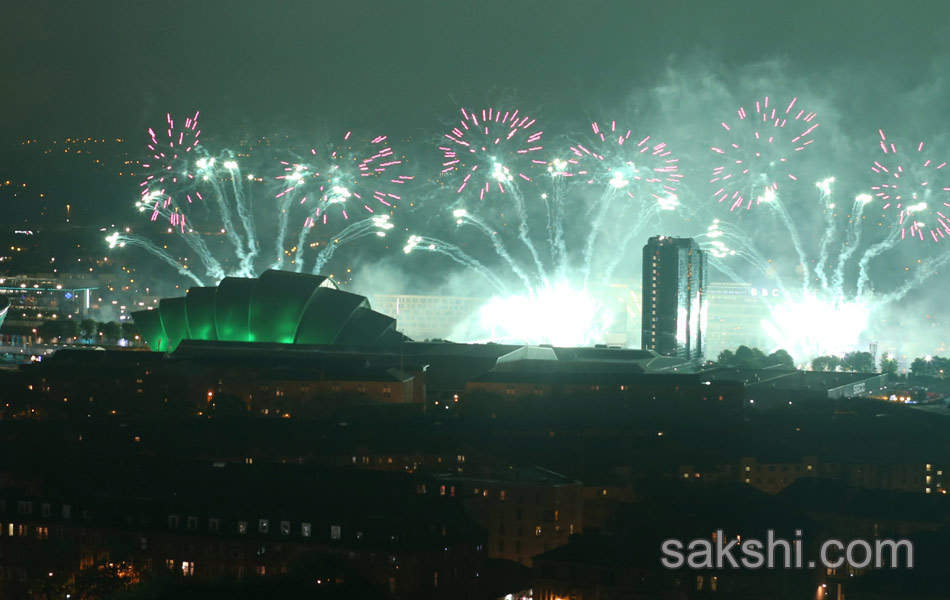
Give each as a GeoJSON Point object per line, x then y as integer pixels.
{"type": "Point", "coordinates": [285, 527]}
{"type": "Point", "coordinates": [187, 568]}
{"type": "Point", "coordinates": [334, 532]}
{"type": "Point", "coordinates": [263, 525]}
{"type": "Point", "coordinates": [242, 527]}
{"type": "Point", "coordinates": [305, 529]}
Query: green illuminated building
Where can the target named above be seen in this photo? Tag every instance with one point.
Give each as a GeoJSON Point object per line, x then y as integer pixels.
{"type": "Point", "coordinates": [278, 307]}
{"type": "Point", "coordinates": [4, 307]}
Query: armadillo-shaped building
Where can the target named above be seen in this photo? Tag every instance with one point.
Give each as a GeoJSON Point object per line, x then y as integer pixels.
{"type": "Point", "coordinates": [277, 307]}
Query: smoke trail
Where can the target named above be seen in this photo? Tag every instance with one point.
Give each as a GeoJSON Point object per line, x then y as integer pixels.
{"type": "Point", "coordinates": [852, 240]}
{"type": "Point", "coordinates": [829, 233]}
{"type": "Point", "coordinates": [926, 271]}
{"type": "Point", "coordinates": [457, 254]}
{"type": "Point", "coordinates": [524, 233]}
{"type": "Point", "coordinates": [247, 221]}
{"type": "Point", "coordinates": [875, 250]}
{"type": "Point", "coordinates": [605, 202]}
{"type": "Point", "coordinates": [127, 239]}
{"type": "Point", "coordinates": [772, 198]}
{"type": "Point", "coordinates": [462, 216]}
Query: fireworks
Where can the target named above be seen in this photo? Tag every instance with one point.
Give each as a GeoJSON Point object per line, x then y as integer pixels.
{"type": "Point", "coordinates": [546, 227]}
{"type": "Point", "coordinates": [168, 168]}
{"type": "Point", "coordinates": [491, 150]}
{"type": "Point", "coordinates": [618, 162]}
{"type": "Point", "coordinates": [814, 326]}
{"type": "Point", "coordinates": [909, 187]}
{"type": "Point", "coordinates": [624, 182]}
{"type": "Point", "coordinates": [756, 156]}
{"type": "Point", "coordinates": [344, 178]}
{"type": "Point", "coordinates": [350, 181]}
{"type": "Point", "coordinates": [185, 179]}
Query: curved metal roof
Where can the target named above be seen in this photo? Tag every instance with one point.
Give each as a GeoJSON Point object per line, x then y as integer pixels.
{"type": "Point", "coordinates": [4, 307]}
{"type": "Point", "coordinates": [279, 306]}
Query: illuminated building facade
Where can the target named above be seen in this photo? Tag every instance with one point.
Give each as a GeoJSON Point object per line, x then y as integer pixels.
{"type": "Point", "coordinates": [32, 299]}
{"type": "Point", "coordinates": [4, 307]}
{"type": "Point", "coordinates": [673, 318]}
{"type": "Point", "coordinates": [428, 317]}
{"type": "Point", "coordinates": [736, 312]}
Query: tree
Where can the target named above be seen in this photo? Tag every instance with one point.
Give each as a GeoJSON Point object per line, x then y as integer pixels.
{"type": "Point", "coordinates": [726, 358]}
{"type": "Point", "coordinates": [88, 329]}
{"type": "Point", "coordinates": [110, 331]}
{"type": "Point", "coordinates": [753, 358]}
{"type": "Point", "coordinates": [129, 331]}
{"type": "Point", "coordinates": [930, 366]}
{"type": "Point", "coordinates": [50, 329]}
{"type": "Point", "coordinates": [825, 363]}
{"type": "Point", "coordinates": [861, 362]}
{"type": "Point", "coordinates": [888, 365]}
{"type": "Point", "coordinates": [749, 358]}
{"type": "Point", "coordinates": [70, 328]}
{"type": "Point", "coordinates": [781, 358]}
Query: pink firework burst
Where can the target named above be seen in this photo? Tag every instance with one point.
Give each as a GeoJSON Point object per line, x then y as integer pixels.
{"type": "Point", "coordinates": [756, 155]}
{"type": "Point", "coordinates": [491, 149]}
{"type": "Point", "coordinates": [361, 175]}
{"type": "Point", "coordinates": [618, 160]}
{"type": "Point", "coordinates": [170, 149]}
{"type": "Point", "coordinates": [908, 187]}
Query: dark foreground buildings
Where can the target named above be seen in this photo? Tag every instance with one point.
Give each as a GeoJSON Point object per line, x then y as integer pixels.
{"type": "Point", "coordinates": [385, 468]}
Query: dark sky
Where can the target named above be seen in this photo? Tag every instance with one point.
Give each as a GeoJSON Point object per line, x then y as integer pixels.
{"type": "Point", "coordinates": [674, 68]}
{"type": "Point", "coordinates": [104, 66]}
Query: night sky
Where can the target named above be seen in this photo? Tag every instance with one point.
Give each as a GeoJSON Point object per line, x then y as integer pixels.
{"type": "Point", "coordinates": [109, 67]}
{"type": "Point", "coordinates": [293, 70]}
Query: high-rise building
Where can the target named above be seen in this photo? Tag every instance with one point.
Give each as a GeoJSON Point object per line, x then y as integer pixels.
{"type": "Point", "coordinates": [673, 321]}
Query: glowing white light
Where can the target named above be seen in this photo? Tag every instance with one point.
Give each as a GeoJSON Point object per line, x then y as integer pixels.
{"type": "Point", "coordinates": [556, 314]}
{"type": "Point", "coordinates": [500, 172]}
{"type": "Point", "coordinates": [825, 185]}
{"type": "Point", "coordinates": [230, 164]}
{"type": "Point", "coordinates": [557, 166]}
{"type": "Point", "coordinates": [618, 181]}
{"type": "Point", "coordinates": [817, 327]}
{"type": "Point", "coordinates": [114, 240]}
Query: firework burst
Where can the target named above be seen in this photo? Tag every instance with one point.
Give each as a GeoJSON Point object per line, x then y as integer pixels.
{"type": "Point", "coordinates": [910, 187]}
{"type": "Point", "coordinates": [757, 152]}
{"type": "Point", "coordinates": [344, 178]}
{"type": "Point", "coordinates": [491, 150]}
